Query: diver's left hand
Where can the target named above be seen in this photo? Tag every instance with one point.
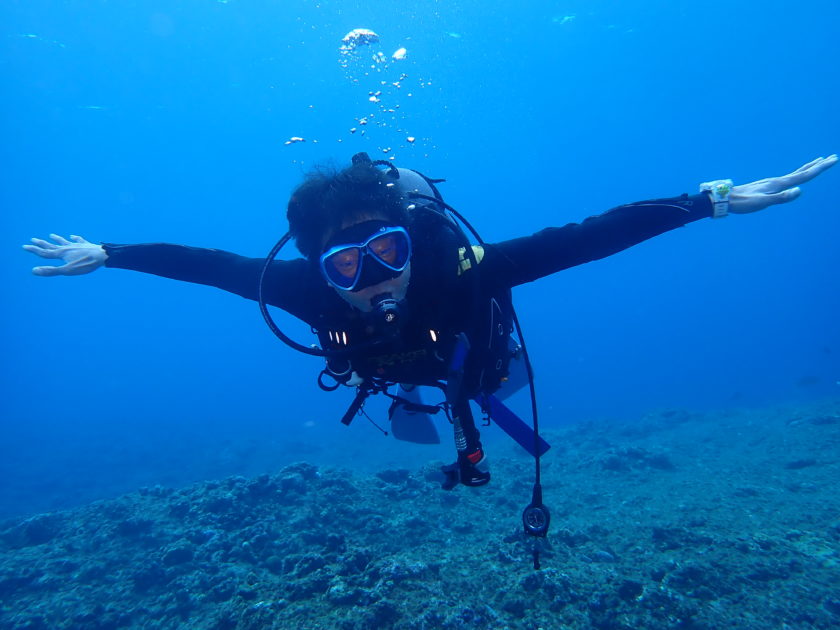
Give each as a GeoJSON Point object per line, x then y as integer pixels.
{"type": "Point", "coordinates": [759, 195]}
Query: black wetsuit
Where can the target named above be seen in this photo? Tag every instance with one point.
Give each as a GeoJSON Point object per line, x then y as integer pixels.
{"type": "Point", "coordinates": [440, 301]}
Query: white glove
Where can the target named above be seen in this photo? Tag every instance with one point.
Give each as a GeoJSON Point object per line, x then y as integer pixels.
{"type": "Point", "coordinates": [80, 257]}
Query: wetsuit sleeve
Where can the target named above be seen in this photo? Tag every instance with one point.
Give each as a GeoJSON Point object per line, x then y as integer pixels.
{"type": "Point", "coordinates": [525, 259]}
{"type": "Point", "coordinates": [286, 285]}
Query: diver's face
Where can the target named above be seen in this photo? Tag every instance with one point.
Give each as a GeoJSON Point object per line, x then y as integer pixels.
{"type": "Point", "coordinates": [362, 298]}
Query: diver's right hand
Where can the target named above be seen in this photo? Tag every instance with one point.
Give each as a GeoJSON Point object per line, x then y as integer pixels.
{"type": "Point", "coordinates": [79, 256]}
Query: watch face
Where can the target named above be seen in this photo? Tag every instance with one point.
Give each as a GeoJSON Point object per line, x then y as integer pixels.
{"type": "Point", "coordinates": [719, 188]}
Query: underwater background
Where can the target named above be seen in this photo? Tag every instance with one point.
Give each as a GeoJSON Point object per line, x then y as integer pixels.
{"type": "Point", "coordinates": [191, 122]}
{"type": "Point", "coordinates": [159, 122]}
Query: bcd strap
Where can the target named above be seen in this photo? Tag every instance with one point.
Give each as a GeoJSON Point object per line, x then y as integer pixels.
{"type": "Point", "coordinates": [455, 378]}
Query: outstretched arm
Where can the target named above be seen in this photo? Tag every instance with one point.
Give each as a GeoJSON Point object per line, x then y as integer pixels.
{"type": "Point", "coordinates": [289, 283]}
{"type": "Point", "coordinates": [514, 262]}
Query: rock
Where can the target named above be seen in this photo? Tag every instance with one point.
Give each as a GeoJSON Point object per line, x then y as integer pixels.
{"type": "Point", "coordinates": [11, 584]}
{"type": "Point", "coordinates": [37, 530]}
{"type": "Point", "coordinates": [630, 589]}
{"type": "Point", "coordinates": [832, 605]}
{"type": "Point", "coordinates": [632, 458]}
{"type": "Point", "coordinates": [601, 555]}
{"type": "Point", "coordinates": [307, 471]}
{"type": "Point", "coordinates": [220, 504]}
{"type": "Point", "coordinates": [135, 526]}
{"type": "Point", "coordinates": [335, 542]}
{"type": "Point", "coordinates": [341, 594]}
{"type": "Point", "coordinates": [275, 564]}
{"type": "Point", "coordinates": [178, 555]}
{"type": "Point", "coordinates": [247, 594]}
{"type": "Point", "coordinates": [768, 572]}
{"type": "Point", "coordinates": [383, 614]}
{"type": "Point", "coordinates": [313, 586]}
{"type": "Point", "coordinates": [570, 538]}
{"type": "Point", "coordinates": [394, 476]}
{"type": "Point", "coordinates": [309, 563]}
{"type": "Point", "coordinates": [179, 509]}
{"type": "Point", "coordinates": [222, 591]}
{"type": "Point", "coordinates": [148, 577]}
{"type": "Point", "coordinates": [292, 483]}
{"type": "Point", "coordinates": [667, 538]}
{"type": "Point", "coordinates": [699, 581]}
{"type": "Point", "coordinates": [515, 607]}
{"type": "Point", "coordinates": [262, 486]}
{"type": "Point", "coordinates": [354, 562]}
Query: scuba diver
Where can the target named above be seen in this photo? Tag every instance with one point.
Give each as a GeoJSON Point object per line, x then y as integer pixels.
{"type": "Point", "coordinates": [397, 294]}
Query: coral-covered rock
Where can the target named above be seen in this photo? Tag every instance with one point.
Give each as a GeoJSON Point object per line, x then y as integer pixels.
{"type": "Point", "coordinates": [729, 538]}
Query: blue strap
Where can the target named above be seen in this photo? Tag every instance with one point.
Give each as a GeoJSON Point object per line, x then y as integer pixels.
{"type": "Point", "coordinates": [511, 424]}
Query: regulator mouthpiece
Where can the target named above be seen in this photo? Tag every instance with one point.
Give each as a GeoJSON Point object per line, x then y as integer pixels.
{"type": "Point", "coordinates": [386, 307]}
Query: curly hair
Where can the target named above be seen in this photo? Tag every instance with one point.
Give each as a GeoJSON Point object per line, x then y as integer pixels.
{"type": "Point", "coordinates": [328, 198]}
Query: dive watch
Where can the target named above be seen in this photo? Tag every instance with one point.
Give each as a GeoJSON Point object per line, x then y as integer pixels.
{"type": "Point", "coordinates": [719, 190]}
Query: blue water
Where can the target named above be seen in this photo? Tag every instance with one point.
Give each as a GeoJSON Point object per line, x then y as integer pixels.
{"type": "Point", "coordinates": [147, 122]}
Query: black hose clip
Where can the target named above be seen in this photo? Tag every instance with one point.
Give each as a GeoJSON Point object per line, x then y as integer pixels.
{"type": "Point", "coordinates": [361, 396]}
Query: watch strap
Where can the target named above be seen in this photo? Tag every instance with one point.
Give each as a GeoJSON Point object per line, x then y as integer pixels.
{"type": "Point", "coordinates": [719, 191]}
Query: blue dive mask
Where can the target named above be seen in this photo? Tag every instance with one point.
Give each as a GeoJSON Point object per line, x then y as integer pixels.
{"type": "Point", "coordinates": [352, 265]}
